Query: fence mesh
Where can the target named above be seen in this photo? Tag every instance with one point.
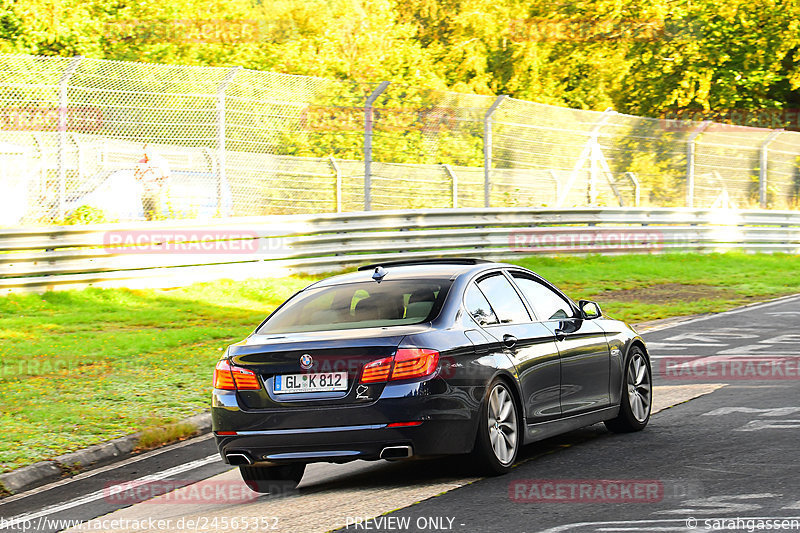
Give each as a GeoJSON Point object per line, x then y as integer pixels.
{"type": "Point", "coordinates": [236, 142]}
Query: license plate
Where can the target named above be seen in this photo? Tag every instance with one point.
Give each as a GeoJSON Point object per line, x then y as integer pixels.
{"type": "Point", "coordinates": [324, 382]}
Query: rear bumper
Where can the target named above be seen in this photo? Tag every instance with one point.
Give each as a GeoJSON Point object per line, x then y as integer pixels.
{"type": "Point", "coordinates": [342, 444]}
{"type": "Point", "coordinates": [346, 433]}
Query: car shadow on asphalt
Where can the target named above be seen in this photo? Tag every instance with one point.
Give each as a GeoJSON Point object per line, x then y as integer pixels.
{"type": "Point", "coordinates": [385, 474]}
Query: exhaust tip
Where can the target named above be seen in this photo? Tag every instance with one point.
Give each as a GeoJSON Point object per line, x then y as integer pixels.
{"type": "Point", "coordinates": [238, 459]}
{"type": "Point", "coordinates": [396, 452]}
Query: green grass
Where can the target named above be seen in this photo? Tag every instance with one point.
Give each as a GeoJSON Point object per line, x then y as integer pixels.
{"type": "Point", "coordinates": [705, 283]}
{"type": "Point", "coordinates": [82, 367]}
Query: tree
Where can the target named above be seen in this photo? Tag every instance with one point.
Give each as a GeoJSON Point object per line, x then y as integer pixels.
{"type": "Point", "coordinates": [735, 56]}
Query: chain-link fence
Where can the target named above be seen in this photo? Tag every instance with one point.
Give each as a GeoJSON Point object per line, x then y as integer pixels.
{"type": "Point", "coordinates": [236, 142]}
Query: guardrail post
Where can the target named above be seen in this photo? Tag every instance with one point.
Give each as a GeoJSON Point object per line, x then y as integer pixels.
{"type": "Point", "coordinates": [597, 159]}
{"type": "Point", "coordinates": [763, 161]}
{"type": "Point", "coordinates": [222, 156]}
{"type": "Point", "coordinates": [594, 155]}
{"type": "Point", "coordinates": [487, 149]}
{"type": "Point", "coordinates": [636, 193]}
{"type": "Point", "coordinates": [63, 100]}
{"type": "Point", "coordinates": [368, 143]}
{"type": "Point", "coordinates": [338, 172]}
{"type": "Point", "coordinates": [690, 162]}
{"type": "Point", "coordinates": [590, 151]}
{"type": "Point", "coordinates": [453, 183]}
{"type": "Point", "coordinates": [557, 183]}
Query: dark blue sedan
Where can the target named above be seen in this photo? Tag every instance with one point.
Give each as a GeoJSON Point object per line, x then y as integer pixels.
{"type": "Point", "coordinates": [423, 358]}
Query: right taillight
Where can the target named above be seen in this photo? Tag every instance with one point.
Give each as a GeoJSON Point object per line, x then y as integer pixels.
{"type": "Point", "coordinates": [229, 377]}
{"type": "Point", "coordinates": [414, 363]}
{"type": "Point", "coordinates": [407, 363]}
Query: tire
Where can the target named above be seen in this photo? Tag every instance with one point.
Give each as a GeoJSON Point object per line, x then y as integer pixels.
{"type": "Point", "coordinates": [273, 479]}
{"type": "Point", "coordinates": [637, 394]}
{"type": "Point", "coordinates": [499, 437]}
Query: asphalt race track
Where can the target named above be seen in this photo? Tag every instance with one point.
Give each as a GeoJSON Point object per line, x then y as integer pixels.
{"type": "Point", "coordinates": [721, 454]}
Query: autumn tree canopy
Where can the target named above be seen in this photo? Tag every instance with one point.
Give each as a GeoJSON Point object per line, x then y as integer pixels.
{"type": "Point", "coordinates": [640, 57]}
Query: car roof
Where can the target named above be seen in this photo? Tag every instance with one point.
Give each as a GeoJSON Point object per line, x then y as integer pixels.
{"type": "Point", "coordinates": [425, 261]}
{"type": "Point", "coordinates": [412, 271]}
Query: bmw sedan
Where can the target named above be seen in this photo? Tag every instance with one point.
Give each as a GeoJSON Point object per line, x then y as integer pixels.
{"type": "Point", "coordinates": [423, 358]}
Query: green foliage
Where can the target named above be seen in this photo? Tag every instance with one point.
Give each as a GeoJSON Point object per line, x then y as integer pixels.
{"type": "Point", "coordinates": [733, 56]}
{"type": "Point", "coordinates": [84, 214]}
{"type": "Point", "coordinates": [639, 57]}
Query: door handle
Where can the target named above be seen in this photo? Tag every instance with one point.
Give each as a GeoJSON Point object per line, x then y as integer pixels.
{"type": "Point", "coordinates": [560, 335]}
{"type": "Point", "coordinates": [509, 341]}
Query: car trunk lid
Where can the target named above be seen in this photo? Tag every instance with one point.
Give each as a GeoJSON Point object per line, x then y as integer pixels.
{"type": "Point", "coordinates": [285, 360]}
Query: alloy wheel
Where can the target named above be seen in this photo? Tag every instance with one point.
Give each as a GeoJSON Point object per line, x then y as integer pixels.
{"type": "Point", "coordinates": [639, 387]}
{"type": "Point", "coordinates": [502, 424]}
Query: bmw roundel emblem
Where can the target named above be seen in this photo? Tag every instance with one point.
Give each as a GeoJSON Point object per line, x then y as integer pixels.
{"type": "Point", "coordinates": [306, 361]}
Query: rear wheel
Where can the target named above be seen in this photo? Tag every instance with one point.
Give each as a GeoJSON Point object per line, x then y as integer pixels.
{"type": "Point", "coordinates": [498, 439]}
{"type": "Point", "coordinates": [272, 479]}
{"type": "Point", "coordinates": [637, 395]}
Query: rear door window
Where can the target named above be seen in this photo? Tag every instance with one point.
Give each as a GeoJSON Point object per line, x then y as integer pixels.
{"type": "Point", "coordinates": [504, 299]}
{"type": "Point", "coordinates": [478, 306]}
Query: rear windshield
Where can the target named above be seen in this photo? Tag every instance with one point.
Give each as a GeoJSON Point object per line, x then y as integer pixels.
{"type": "Point", "coordinates": [360, 305]}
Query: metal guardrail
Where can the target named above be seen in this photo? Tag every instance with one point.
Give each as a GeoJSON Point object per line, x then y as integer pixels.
{"type": "Point", "coordinates": [158, 254]}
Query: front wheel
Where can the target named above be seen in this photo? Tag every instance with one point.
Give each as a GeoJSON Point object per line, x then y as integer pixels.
{"type": "Point", "coordinates": [498, 439]}
{"type": "Point", "coordinates": [272, 479]}
{"type": "Point", "coordinates": [637, 395]}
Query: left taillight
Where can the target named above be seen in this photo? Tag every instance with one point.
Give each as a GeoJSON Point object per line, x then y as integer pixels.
{"type": "Point", "coordinates": [230, 377]}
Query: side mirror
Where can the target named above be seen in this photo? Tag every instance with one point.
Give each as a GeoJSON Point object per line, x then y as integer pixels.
{"type": "Point", "coordinates": [589, 309]}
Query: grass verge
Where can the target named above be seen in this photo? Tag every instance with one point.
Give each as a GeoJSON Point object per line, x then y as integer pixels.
{"type": "Point", "coordinates": [82, 367]}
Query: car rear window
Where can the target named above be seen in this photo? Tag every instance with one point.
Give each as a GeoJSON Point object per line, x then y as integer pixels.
{"type": "Point", "coordinates": [359, 305]}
